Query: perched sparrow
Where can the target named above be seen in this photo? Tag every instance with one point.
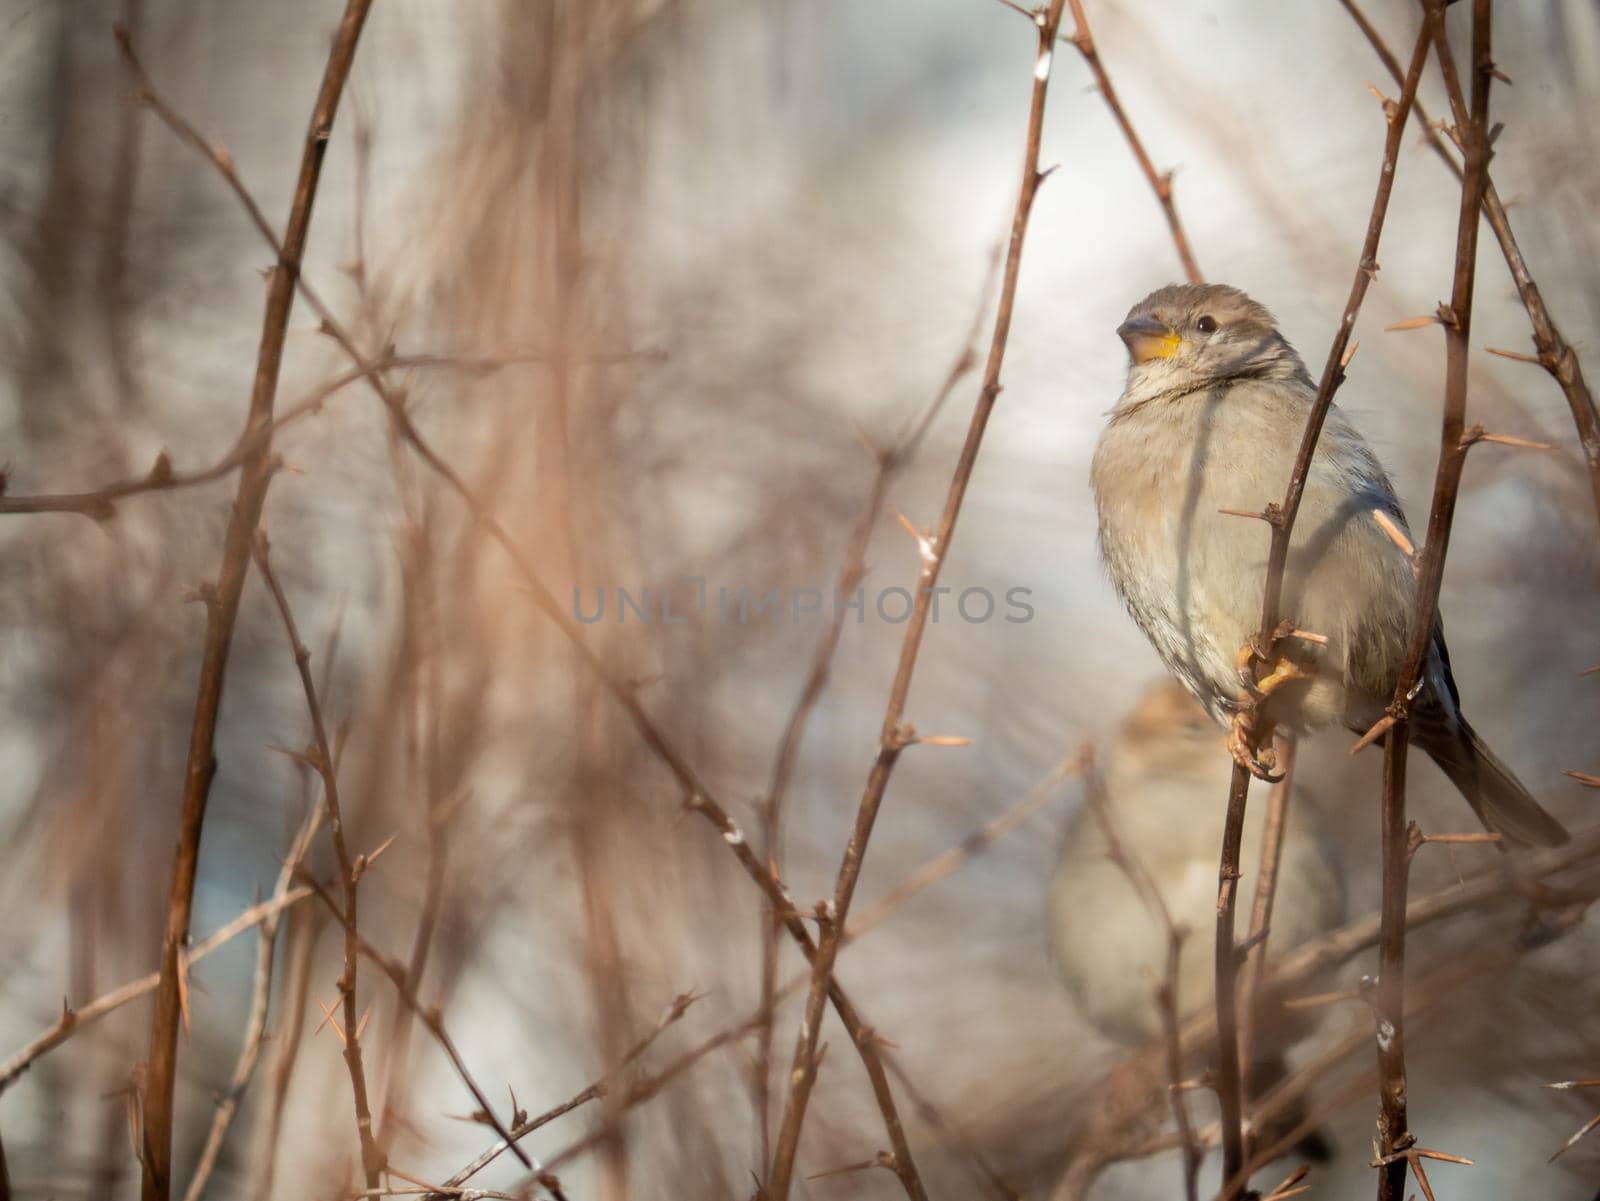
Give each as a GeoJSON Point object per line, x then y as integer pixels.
{"type": "Point", "coordinates": [1211, 419]}
{"type": "Point", "coordinates": [1164, 777]}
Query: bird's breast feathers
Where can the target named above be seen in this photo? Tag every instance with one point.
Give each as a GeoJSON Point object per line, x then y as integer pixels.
{"type": "Point", "coordinates": [1192, 574]}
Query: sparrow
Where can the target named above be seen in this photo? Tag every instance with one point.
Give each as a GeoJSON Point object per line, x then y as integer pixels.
{"type": "Point", "coordinates": [1162, 775]}
{"type": "Point", "coordinates": [1211, 420]}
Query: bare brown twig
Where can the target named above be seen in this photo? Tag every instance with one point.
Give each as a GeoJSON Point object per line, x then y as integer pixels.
{"type": "Point", "coordinates": [1225, 964]}
{"type": "Point", "coordinates": [101, 503]}
{"type": "Point", "coordinates": [673, 1013]}
{"type": "Point", "coordinates": [1281, 520]}
{"type": "Point", "coordinates": [698, 797]}
{"type": "Point", "coordinates": [222, 611]}
{"type": "Point", "coordinates": [319, 755]}
{"type": "Point", "coordinates": [1255, 958]}
{"type": "Point", "coordinates": [942, 865]}
{"type": "Point", "coordinates": [73, 1020]}
{"type": "Point", "coordinates": [304, 927]}
{"type": "Point", "coordinates": [889, 463]}
{"type": "Point", "coordinates": [1160, 181]}
{"type": "Point", "coordinates": [1583, 1131]}
{"type": "Point", "coordinates": [256, 1023]}
{"type": "Point", "coordinates": [1553, 352]}
{"type": "Point", "coordinates": [894, 736]}
{"type": "Point", "coordinates": [1393, 1130]}
{"type": "Point", "coordinates": [1281, 517]}
{"type": "Point", "coordinates": [648, 1087]}
{"type": "Point", "coordinates": [429, 1016]}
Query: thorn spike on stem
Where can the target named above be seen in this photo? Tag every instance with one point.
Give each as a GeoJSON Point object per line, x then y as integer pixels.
{"type": "Point", "coordinates": [1379, 728]}
{"type": "Point", "coordinates": [1411, 323]}
{"type": "Point", "coordinates": [1512, 440]}
{"type": "Point", "coordinates": [1396, 535]}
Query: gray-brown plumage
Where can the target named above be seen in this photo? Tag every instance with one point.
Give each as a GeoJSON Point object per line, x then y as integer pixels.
{"type": "Point", "coordinates": [1211, 419]}
{"type": "Point", "coordinates": [1164, 773]}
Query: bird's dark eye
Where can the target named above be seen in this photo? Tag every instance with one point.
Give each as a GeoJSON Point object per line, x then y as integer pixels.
{"type": "Point", "coordinates": [1206, 325]}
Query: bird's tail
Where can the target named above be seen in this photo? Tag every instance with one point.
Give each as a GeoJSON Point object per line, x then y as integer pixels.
{"type": "Point", "coordinates": [1502, 804]}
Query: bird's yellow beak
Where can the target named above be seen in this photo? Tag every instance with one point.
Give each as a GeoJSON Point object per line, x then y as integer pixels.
{"type": "Point", "coordinates": [1148, 338]}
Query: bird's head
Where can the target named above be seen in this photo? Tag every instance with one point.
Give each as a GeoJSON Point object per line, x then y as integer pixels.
{"type": "Point", "coordinates": [1186, 336]}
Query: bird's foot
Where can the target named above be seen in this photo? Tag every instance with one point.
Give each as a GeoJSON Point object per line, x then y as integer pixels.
{"type": "Point", "coordinates": [1250, 734]}
{"type": "Point", "coordinates": [1256, 653]}
{"type": "Point", "coordinates": [1244, 666]}
{"type": "Point", "coordinates": [1250, 744]}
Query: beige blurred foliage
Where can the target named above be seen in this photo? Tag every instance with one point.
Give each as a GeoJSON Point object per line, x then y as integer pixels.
{"type": "Point", "coordinates": [742, 241]}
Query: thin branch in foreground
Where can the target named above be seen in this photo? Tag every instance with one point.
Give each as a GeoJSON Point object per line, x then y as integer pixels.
{"type": "Point", "coordinates": [1225, 966]}
{"type": "Point", "coordinates": [851, 572]}
{"type": "Point", "coordinates": [296, 995]}
{"type": "Point", "coordinates": [893, 735]}
{"type": "Point", "coordinates": [256, 1023]}
{"type": "Point", "coordinates": [1583, 1131]}
{"type": "Point", "coordinates": [974, 844]}
{"type": "Point", "coordinates": [321, 757]}
{"type": "Point", "coordinates": [644, 1090]}
{"type": "Point", "coordinates": [73, 1020]}
{"type": "Point", "coordinates": [1160, 181]}
{"type": "Point", "coordinates": [1255, 960]}
{"type": "Point", "coordinates": [697, 796]}
{"type": "Point", "coordinates": [100, 504]}
{"type": "Point", "coordinates": [1282, 516]}
{"type": "Point", "coordinates": [222, 611]}
{"type": "Point", "coordinates": [1282, 519]}
{"type": "Point", "coordinates": [1553, 352]}
{"type": "Point", "coordinates": [1393, 1129]}
{"type": "Point", "coordinates": [675, 1011]}
{"type": "Point", "coordinates": [429, 1016]}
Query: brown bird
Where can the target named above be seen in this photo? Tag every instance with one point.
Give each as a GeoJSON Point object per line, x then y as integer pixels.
{"type": "Point", "coordinates": [1164, 773]}
{"type": "Point", "coordinates": [1210, 420]}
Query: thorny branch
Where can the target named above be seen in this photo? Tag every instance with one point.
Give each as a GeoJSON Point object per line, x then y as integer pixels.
{"type": "Point", "coordinates": [256, 1023]}
{"type": "Point", "coordinates": [1553, 352]}
{"type": "Point", "coordinates": [697, 796]}
{"type": "Point", "coordinates": [520, 1130]}
{"type": "Point", "coordinates": [73, 1020]}
{"type": "Point", "coordinates": [1255, 961]}
{"type": "Point", "coordinates": [428, 1015]}
{"type": "Point", "coordinates": [1160, 181]}
{"type": "Point", "coordinates": [320, 756]}
{"type": "Point", "coordinates": [890, 462]}
{"type": "Point", "coordinates": [922, 878]}
{"type": "Point", "coordinates": [1393, 1131]}
{"type": "Point", "coordinates": [1281, 520]}
{"type": "Point", "coordinates": [894, 735]}
{"type": "Point", "coordinates": [1225, 963]}
{"type": "Point", "coordinates": [101, 503]}
{"type": "Point", "coordinates": [221, 613]}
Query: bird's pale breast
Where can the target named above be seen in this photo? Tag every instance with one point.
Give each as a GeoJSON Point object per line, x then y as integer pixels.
{"type": "Point", "coordinates": [1192, 575]}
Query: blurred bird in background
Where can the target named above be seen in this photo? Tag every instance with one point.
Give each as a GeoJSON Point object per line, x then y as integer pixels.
{"type": "Point", "coordinates": [1211, 420]}
{"type": "Point", "coordinates": [1164, 777]}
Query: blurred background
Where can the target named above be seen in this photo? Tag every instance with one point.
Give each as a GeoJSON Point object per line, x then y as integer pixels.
{"type": "Point", "coordinates": [702, 256]}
